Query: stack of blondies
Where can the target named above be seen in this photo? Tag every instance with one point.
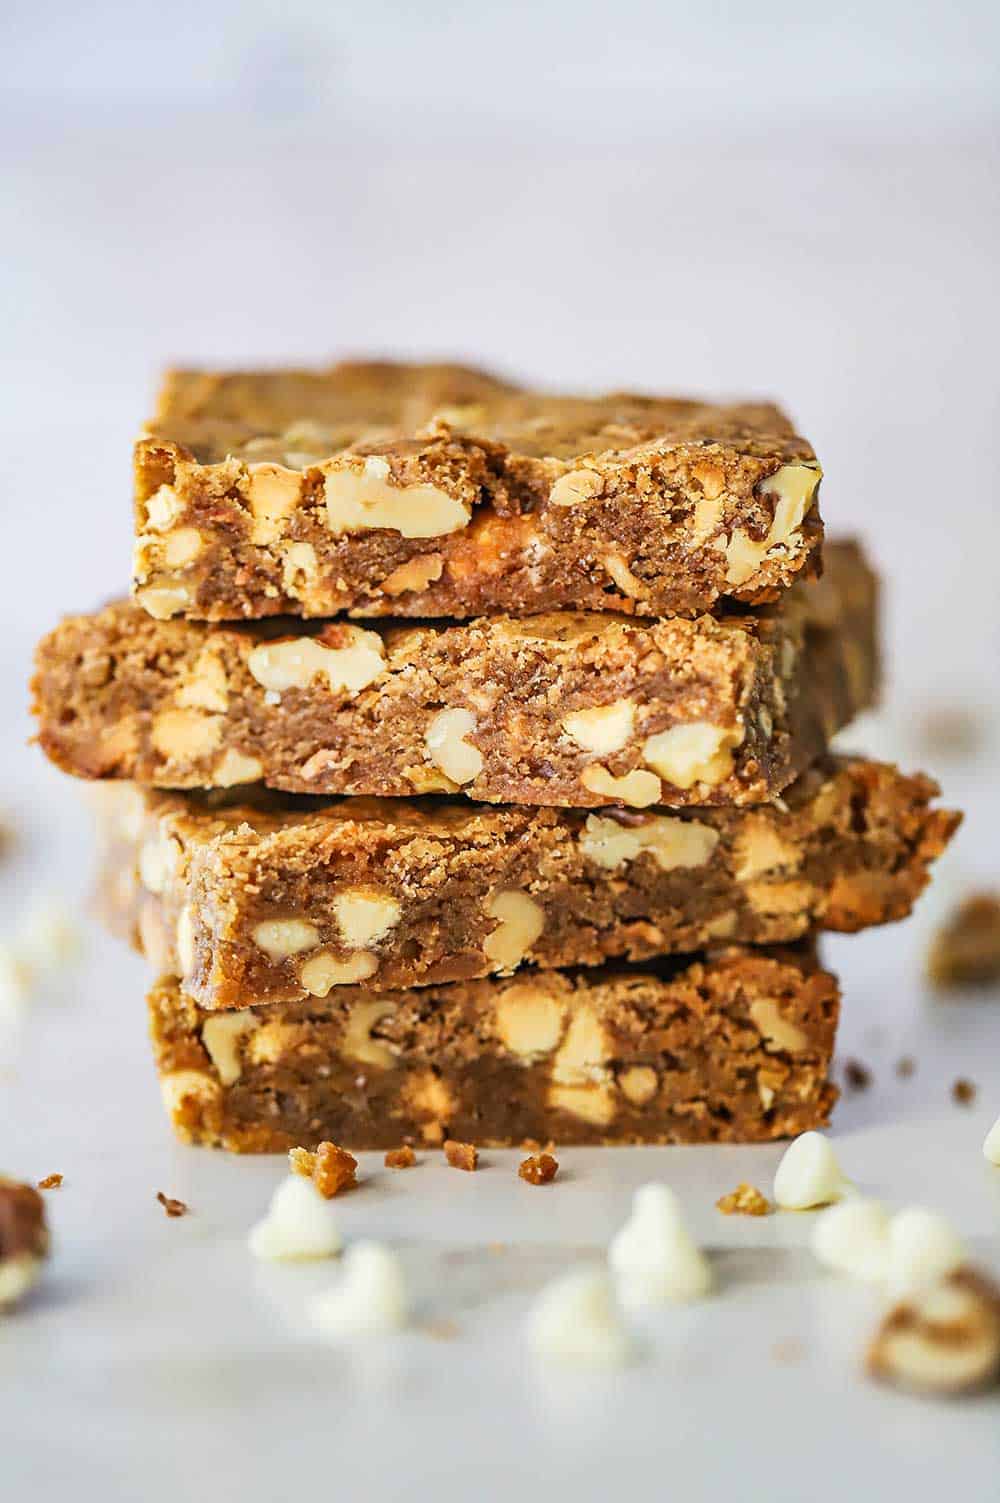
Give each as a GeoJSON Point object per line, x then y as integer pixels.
{"type": "Point", "coordinates": [471, 762]}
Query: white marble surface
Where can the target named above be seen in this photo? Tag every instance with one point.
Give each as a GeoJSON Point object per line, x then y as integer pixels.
{"type": "Point", "coordinates": [848, 270]}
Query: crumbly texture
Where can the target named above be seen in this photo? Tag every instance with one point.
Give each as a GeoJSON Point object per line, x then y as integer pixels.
{"type": "Point", "coordinates": [745, 1200]}
{"type": "Point", "coordinates": [271, 899]}
{"type": "Point", "coordinates": [732, 1047]}
{"type": "Point", "coordinates": [461, 1155]}
{"type": "Point", "coordinates": [330, 1168]}
{"type": "Point", "coordinates": [966, 950]}
{"type": "Point", "coordinates": [571, 710]}
{"type": "Point", "coordinates": [438, 491]}
{"type": "Point", "coordinates": [538, 1169]}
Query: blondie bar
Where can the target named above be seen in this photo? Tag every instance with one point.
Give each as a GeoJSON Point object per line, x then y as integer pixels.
{"type": "Point", "coordinates": [283, 898]}
{"type": "Point", "coordinates": [733, 1047]}
{"type": "Point", "coordinates": [438, 491]}
{"type": "Point", "coordinates": [570, 709]}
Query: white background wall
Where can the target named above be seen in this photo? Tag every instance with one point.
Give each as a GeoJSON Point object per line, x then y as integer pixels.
{"type": "Point", "coordinates": [780, 198]}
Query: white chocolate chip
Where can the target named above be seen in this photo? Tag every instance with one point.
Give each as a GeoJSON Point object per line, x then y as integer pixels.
{"type": "Point", "coordinates": [416, 574]}
{"type": "Point", "coordinates": [623, 577]}
{"type": "Point", "coordinates": [364, 918]}
{"type": "Point", "coordinates": [448, 748]}
{"type": "Point", "coordinates": [294, 664]}
{"type": "Point", "coordinates": [991, 1144]}
{"type": "Point", "coordinates": [575, 1320]}
{"type": "Point", "coordinates": [520, 921]}
{"type": "Point", "coordinates": [206, 686]}
{"type": "Point", "coordinates": [182, 547]}
{"type": "Point", "coordinates": [585, 1050]}
{"type": "Point", "coordinates": [602, 730]}
{"type": "Point", "coordinates": [17, 1276]}
{"type": "Point", "coordinates": [594, 1103]}
{"type": "Point", "coordinates": [358, 1044]}
{"type": "Point", "coordinates": [50, 938]}
{"type": "Point", "coordinates": [159, 860]}
{"type": "Point", "coordinates": [298, 567]}
{"type": "Point", "coordinates": [371, 1296]}
{"type": "Point", "coordinates": [758, 848]}
{"type": "Point", "coordinates": [299, 1224]}
{"type": "Point", "coordinates": [576, 486]}
{"type": "Point", "coordinates": [639, 1084]}
{"type": "Point", "coordinates": [923, 1247]}
{"type": "Point", "coordinates": [281, 937]}
{"type": "Point", "coordinates": [221, 1036]}
{"type": "Point", "coordinates": [164, 601]}
{"type": "Point", "coordinates": [163, 508]}
{"type": "Point", "coordinates": [185, 940]}
{"type": "Point", "coordinates": [794, 485]}
{"type": "Point", "coordinates": [695, 753]}
{"type": "Point", "coordinates": [323, 971]}
{"type": "Point", "coordinates": [853, 1238]}
{"type": "Point", "coordinates": [185, 735]}
{"type": "Point", "coordinates": [529, 1021]}
{"type": "Point", "coordinates": [808, 1175]}
{"type": "Point", "coordinates": [673, 843]}
{"type": "Point", "coordinates": [357, 501]}
{"type": "Point", "coordinates": [654, 1256]}
{"type": "Point", "coordinates": [638, 789]}
{"type": "Point", "coordinates": [179, 1086]}
{"type": "Point", "coordinates": [944, 1339]}
{"type": "Point", "coordinates": [273, 493]}
{"type": "Point", "coordinates": [234, 767]}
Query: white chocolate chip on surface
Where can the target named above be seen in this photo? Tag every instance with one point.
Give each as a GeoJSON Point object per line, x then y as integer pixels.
{"type": "Point", "coordinates": [281, 937]}
{"type": "Point", "coordinates": [695, 753]}
{"type": "Point", "coordinates": [575, 1321]}
{"type": "Point", "coordinates": [294, 664]}
{"type": "Point", "coordinates": [18, 1275]}
{"type": "Point", "coordinates": [794, 485]}
{"type": "Point", "coordinates": [221, 1036]}
{"type": "Point", "coordinates": [323, 971]}
{"type": "Point", "coordinates": [654, 1256]}
{"type": "Point", "coordinates": [853, 1238]}
{"type": "Point", "coordinates": [808, 1174]}
{"type": "Point", "coordinates": [371, 1296]}
{"type": "Point", "coordinates": [299, 1224]}
{"type": "Point", "coordinates": [528, 1020]}
{"type": "Point", "coordinates": [520, 921]}
{"type": "Point", "coordinates": [638, 789]}
{"type": "Point", "coordinates": [358, 501]}
{"type": "Point", "coordinates": [942, 1339]}
{"type": "Point", "coordinates": [673, 843]}
{"type": "Point", "coordinates": [365, 917]}
{"type": "Point", "coordinates": [991, 1144]}
{"type": "Point", "coordinates": [923, 1247]}
{"type": "Point", "coordinates": [604, 729]}
{"type": "Point", "coordinates": [448, 748]}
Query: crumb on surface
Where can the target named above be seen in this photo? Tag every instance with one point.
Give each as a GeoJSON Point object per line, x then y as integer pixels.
{"type": "Point", "coordinates": [963, 1092]}
{"type": "Point", "coordinates": [330, 1168]}
{"type": "Point", "coordinates": [441, 1329]}
{"type": "Point", "coordinates": [906, 1066]}
{"type": "Point", "coordinates": [966, 949]}
{"type": "Point", "coordinates": [400, 1158]}
{"type": "Point", "coordinates": [857, 1077]}
{"type": "Point", "coordinates": [538, 1169]}
{"type": "Point", "coordinates": [745, 1200]}
{"type": "Point", "coordinates": [50, 1182]}
{"type": "Point", "coordinates": [461, 1155]}
{"type": "Point", "coordinates": [171, 1206]}
{"type": "Point", "coordinates": [788, 1351]}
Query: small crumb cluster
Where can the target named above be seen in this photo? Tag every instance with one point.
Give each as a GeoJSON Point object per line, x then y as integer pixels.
{"type": "Point", "coordinates": [745, 1200]}
{"type": "Point", "coordinates": [330, 1168]}
{"type": "Point", "coordinates": [172, 1207]}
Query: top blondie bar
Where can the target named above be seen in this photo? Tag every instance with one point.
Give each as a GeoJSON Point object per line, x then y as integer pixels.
{"type": "Point", "coordinates": [435, 490]}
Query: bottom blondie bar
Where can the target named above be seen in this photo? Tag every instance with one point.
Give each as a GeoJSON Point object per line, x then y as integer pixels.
{"type": "Point", "coordinates": [733, 1046]}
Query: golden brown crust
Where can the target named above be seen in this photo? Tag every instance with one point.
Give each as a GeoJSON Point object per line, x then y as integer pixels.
{"type": "Point", "coordinates": [437, 490]}
{"type": "Point", "coordinates": [731, 1047]}
{"type": "Point", "coordinates": [453, 891]}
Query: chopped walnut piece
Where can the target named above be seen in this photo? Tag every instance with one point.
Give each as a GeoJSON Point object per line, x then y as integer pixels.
{"type": "Point", "coordinates": [539, 1169]}
{"type": "Point", "coordinates": [50, 1182]}
{"type": "Point", "coordinates": [966, 950]}
{"type": "Point", "coordinates": [745, 1200]}
{"type": "Point", "coordinates": [943, 1339]}
{"type": "Point", "coordinates": [171, 1206]}
{"type": "Point", "coordinates": [857, 1077]}
{"type": "Point", "coordinates": [330, 1168]}
{"type": "Point", "coordinates": [461, 1155]}
{"type": "Point", "coordinates": [24, 1239]}
{"type": "Point", "coordinates": [963, 1092]}
{"type": "Point", "coordinates": [400, 1158]}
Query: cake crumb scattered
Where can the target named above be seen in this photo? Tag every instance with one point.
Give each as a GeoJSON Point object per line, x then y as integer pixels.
{"type": "Point", "coordinates": [330, 1168]}
{"type": "Point", "coordinates": [966, 949]}
{"type": "Point", "coordinates": [461, 1155]}
{"type": "Point", "coordinates": [906, 1067]}
{"type": "Point", "coordinates": [539, 1169]}
{"type": "Point", "coordinates": [857, 1077]}
{"type": "Point", "coordinates": [942, 1339]}
{"type": "Point", "coordinates": [745, 1200]}
{"type": "Point", "coordinates": [963, 1092]}
{"type": "Point", "coordinates": [400, 1158]}
{"type": "Point", "coordinates": [50, 1182]}
{"type": "Point", "coordinates": [170, 1205]}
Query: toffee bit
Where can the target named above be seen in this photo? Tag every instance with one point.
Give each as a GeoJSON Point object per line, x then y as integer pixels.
{"type": "Point", "coordinates": [170, 1205]}
{"type": "Point", "coordinates": [539, 1169]}
{"type": "Point", "coordinates": [461, 1155]}
{"type": "Point", "coordinates": [745, 1200]}
{"type": "Point", "coordinates": [400, 1158]}
{"type": "Point", "coordinates": [50, 1182]}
